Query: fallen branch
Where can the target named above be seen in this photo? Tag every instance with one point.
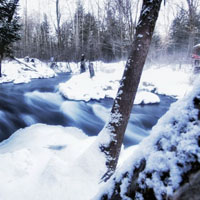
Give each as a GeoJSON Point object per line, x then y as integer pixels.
{"type": "Point", "coordinates": [26, 65]}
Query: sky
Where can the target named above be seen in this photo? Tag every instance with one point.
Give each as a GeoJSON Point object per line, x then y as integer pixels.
{"type": "Point", "coordinates": [48, 6]}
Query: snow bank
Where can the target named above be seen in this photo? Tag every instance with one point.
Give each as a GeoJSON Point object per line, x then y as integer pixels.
{"type": "Point", "coordinates": [104, 84]}
{"type": "Point", "coordinates": [144, 97]}
{"type": "Point", "coordinates": [166, 81]}
{"type": "Point", "coordinates": [82, 87]}
{"type": "Point", "coordinates": [170, 153]}
{"type": "Point", "coordinates": [19, 71]}
{"type": "Point", "coordinates": [47, 162]}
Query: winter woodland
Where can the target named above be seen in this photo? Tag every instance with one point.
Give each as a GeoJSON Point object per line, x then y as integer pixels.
{"type": "Point", "coordinates": [99, 100]}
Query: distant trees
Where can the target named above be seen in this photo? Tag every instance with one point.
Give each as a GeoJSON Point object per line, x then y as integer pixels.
{"type": "Point", "coordinates": [9, 27]}
{"type": "Point", "coordinates": [104, 36]}
{"type": "Point", "coordinates": [44, 39]}
{"type": "Point", "coordinates": [58, 27]}
{"type": "Point", "coordinates": [185, 29]}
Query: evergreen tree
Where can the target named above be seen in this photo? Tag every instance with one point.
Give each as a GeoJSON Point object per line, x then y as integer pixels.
{"type": "Point", "coordinates": [9, 27]}
{"type": "Point", "coordinates": [90, 34]}
{"type": "Point", "coordinates": [44, 38]}
{"type": "Point", "coordinates": [181, 30]}
{"type": "Point", "coordinates": [78, 26]}
{"type": "Point", "coordinates": [114, 34]}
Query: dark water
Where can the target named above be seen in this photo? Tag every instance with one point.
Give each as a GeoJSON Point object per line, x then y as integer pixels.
{"type": "Point", "coordinates": [40, 102]}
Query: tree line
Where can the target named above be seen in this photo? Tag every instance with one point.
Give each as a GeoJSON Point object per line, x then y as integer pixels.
{"type": "Point", "coordinates": [106, 35]}
{"type": "Point", "coordinates": [185, 30]}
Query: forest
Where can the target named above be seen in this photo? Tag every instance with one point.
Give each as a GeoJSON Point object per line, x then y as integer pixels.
{"type": "Point", "coordinates": [99, 100]}
{"type": "Point", "coordinates": [106, 32]}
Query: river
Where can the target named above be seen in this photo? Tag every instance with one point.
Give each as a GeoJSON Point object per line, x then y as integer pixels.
{"type": "Point", "coordinates": [40, 102]}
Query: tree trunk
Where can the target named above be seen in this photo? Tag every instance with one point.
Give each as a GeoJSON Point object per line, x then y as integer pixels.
{"type": "Point", "coordinates": [192, 12]}
{"type": "Point", "coordinates": [58, 30]}
{"type": "Point", "coordinates": [1, 57]}
{"type": "Point", "coordinates": [123, 103]}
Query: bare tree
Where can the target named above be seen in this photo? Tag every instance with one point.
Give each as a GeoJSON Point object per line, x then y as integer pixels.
{"type": "Point", "coordinates": [58, 29]}
{"type": "Point", "coordinates": [123, 103]}
{"type": "Point", "coordinates": [25, 25]}
{"type": "Point", "coordinates": [192, 12]}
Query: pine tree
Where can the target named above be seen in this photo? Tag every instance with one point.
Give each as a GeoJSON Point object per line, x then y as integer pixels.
{"type": "Point", "coordinates": [44, 39]}
{"type": "Point", "coordinates": [9, 27]}
{"type": "Point", "coordinates": [184, 31]}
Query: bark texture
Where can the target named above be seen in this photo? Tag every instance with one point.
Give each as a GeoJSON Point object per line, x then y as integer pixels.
{"type": "Point", "coordinates": [131, 188]}
{"type": "Point", "coordinates": [123, 103]}
{"type": "Point", "coordinates": [189, 191]}
{"type": "Point", "coordinates": [0, 65]}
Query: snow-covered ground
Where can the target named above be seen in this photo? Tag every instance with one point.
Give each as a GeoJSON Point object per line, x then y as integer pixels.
{"type": "Point", "coordinates": [165, 80]}
{"type": "Point", "coordinates": [13, 71]}
{"type": "Point", "coordinates": [105, 83]}
{"type": "Point", "coordinates": [54, 162]}
{"type": "Point", "coordinates": [48, 162]}
{"type": "Point", "coordinates": [20, 71]}
{"type": "Point", "coordinates": [170, 152]}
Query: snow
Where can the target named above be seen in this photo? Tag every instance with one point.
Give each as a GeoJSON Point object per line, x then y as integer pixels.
{"type": "Point", "coordinates": [18, 71]}
{"type": "Point", "coordinates": [167, 81]}
{"type": "Point", "coordinates": [156, 80]}
{"type": "Point", "coordinates": [171, 148]}
{"type": "Point", "coordinates": [104, 84]}
{"type": "Point", "coordinates": [47, 162]}
{"type": "Point", "coordinates": [54, 162]}
{"type": "Point", "coordinates": [164, 80]}
{"type": "Point", "coordinates": [144, 97]}
{"type": "Point", "coordinates": [82, 87]}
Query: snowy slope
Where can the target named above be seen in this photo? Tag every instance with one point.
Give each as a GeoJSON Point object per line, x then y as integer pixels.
{"type": "Point", "coordinates": [165, 159]}
{"type": "Point", "coordinates": [19, 71]}
{"type": "Point", "coordinates": [47, 162]}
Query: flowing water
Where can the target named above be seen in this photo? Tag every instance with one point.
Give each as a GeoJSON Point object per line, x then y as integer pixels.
{"type": "Point", "coordinates": [40, 102]}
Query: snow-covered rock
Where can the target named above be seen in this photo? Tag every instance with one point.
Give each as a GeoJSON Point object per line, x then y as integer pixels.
{"type": "Point", "coordinates": [163, 161]}
{"type": "Point", "coordinates": [82, 87]}
{"type": "Point", "coordinates": [20, 71]}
